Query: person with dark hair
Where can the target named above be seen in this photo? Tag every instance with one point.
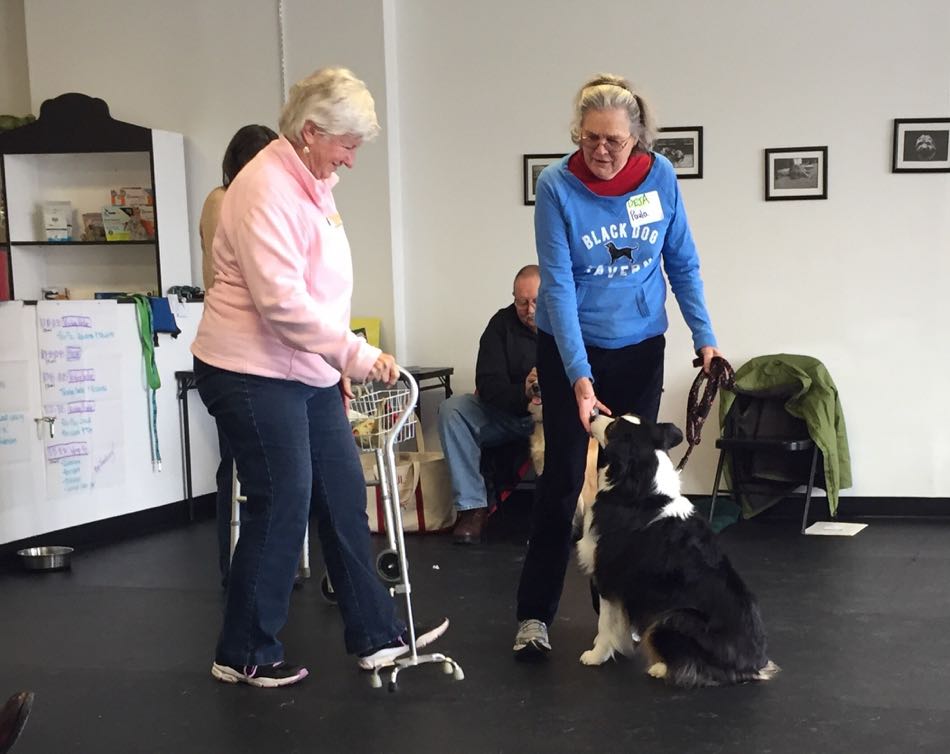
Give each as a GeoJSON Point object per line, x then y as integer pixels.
{"type": "Point", "coordinates": [505, 379]}
{"type": "Point", "coordinates": [244, 145]}
{"type": "Point", "coordinates": [609, 221]}
{"type": "Point", "coordinates": [274, 355]}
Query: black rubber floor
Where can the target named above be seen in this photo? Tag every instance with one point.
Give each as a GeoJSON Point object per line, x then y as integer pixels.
{"type": "Point", "coordinates": [118, 652]}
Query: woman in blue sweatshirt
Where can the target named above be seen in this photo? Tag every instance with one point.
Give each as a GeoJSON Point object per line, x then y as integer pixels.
{"type": "Point", "coordinates": [609, 221]}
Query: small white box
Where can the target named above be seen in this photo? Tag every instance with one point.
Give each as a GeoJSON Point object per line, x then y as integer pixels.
{"type": "Point", "coordinates": [57, 214]}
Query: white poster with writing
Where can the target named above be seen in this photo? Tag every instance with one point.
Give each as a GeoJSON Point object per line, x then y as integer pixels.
{"type": "Point", "coordinates": [81, 395]}
{"type": "Point", "coordinates": [14, 390]}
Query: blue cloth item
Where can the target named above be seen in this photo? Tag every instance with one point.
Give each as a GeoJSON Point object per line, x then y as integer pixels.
{"type": "Point", "coordinates": [466, 425]}
{"type": "Point", "coordinates": [600, 258]}
{"type": "Point", "coordinates": [295, 454]}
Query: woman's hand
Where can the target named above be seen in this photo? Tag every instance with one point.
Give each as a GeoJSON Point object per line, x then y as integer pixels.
{"type": "Point", "coordinates": [708, 353]}
{"type": "Point", "coordinates": [587, 402]}
{"type": "Point", "coordinates": [384, 370]}
{"type": "Point", "coordinates": [346, 390]}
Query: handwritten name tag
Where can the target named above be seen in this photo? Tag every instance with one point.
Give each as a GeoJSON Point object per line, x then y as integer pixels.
{"type": "Point", "coordinates": [644, 208]}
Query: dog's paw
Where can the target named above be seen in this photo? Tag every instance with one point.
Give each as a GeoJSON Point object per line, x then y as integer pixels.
{"type": "Point", "coordinates": [593, 657]}
{"type": "Point", "coordinates": [657, 670]}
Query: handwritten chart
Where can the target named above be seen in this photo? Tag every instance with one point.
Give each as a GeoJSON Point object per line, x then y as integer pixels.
{"type": "Point", "coordinates": [14, 392]}
{"type": "Point", "coordinates": [80, 390]}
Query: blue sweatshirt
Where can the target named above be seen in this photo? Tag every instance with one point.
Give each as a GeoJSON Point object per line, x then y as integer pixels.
{"type": "Point", "coordinates": [601, 283]}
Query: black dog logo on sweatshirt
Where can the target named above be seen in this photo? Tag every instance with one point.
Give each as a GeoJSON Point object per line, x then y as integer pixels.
{"type": "Point", "coordinates": [616, 253]}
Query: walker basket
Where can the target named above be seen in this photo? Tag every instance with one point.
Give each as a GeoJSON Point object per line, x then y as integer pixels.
{"type": "Point", "coordinates": [374, 413]}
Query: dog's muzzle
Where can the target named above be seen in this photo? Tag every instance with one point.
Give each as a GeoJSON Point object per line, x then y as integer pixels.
{"type": "Point", "coordinates": [598, 428]}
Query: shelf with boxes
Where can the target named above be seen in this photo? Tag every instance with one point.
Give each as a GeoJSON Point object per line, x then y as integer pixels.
{"type": "Point", "coordinates": [92, 204]}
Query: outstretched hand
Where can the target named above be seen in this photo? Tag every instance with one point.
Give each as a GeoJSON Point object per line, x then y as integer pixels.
{"type": "Point", "coordinates": [587, 402]}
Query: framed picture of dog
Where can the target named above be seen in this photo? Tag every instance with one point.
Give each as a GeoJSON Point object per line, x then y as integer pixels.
{"type": "Point", "coordinates": [683, 146]}
{"type": "Point", "coordinates": [796, 173]}
{"type": "Point", "coordinates": [921, 145]}
{"type": "Point", "coordinates": [533, 165]}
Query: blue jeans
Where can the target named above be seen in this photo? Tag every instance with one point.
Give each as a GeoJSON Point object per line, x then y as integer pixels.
{"type": "Point", "coordinates": [223, 496]}
{"type": "Point", "coordinates": [466, 425]}
{"type": "Point", "coordinates": [295, 455]}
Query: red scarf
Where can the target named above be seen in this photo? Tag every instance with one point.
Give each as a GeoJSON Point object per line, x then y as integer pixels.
{"type": "Point", "coordinates": [630, 176]}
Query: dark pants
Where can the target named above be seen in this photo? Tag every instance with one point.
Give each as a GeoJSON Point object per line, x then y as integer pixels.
{"type": "Point", "coordinates": [626, 380]}
{"type": "Point", "coordinates": [224, 483]}
{"type": "Point", "coordinates": [294, 452]}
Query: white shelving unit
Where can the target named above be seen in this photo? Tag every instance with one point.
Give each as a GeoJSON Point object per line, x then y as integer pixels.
{"type": "Point", "coordinates": [76, 152]}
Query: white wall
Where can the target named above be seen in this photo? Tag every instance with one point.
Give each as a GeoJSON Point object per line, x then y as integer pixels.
{"type": "Point", "coordinates": [14, 79]}
{"type": "Point", "coordinates": [857, 280]}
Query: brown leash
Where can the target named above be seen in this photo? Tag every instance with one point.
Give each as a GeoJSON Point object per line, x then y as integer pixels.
{"type": "Point", "coordinates": [721, 375]}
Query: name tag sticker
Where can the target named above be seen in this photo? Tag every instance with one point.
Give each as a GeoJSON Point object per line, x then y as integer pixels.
{"type": "Point", "coordinates": [336, 221]}
{"type": "Point", "coordinates": [644, 208]}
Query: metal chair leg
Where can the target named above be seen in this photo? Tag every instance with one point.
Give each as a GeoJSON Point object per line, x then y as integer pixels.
{"type": "Point", "coordinates": [712, 503]}
{"type": "Point", "coordinates": [811, 485]}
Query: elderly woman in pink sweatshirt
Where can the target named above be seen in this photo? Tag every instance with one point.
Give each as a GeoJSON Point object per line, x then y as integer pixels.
{"type": "Point", "coordinates": [273, 357]}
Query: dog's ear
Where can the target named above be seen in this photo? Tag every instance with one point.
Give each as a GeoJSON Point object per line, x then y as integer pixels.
{"type": "Point", "coordinates": [667, 436]}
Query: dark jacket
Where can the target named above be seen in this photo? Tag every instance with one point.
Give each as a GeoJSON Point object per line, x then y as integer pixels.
{"type": "Point", "coordinates": [506, 353]}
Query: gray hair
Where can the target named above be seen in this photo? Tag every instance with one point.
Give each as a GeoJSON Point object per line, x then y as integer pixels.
{"type": "Point", "coordinates": [608, 92]}
{"type": "Point", "coordinates": [335, 101]}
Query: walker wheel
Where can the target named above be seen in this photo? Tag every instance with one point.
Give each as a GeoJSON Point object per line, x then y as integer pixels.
{"type": "Point", "coordinates": [387, 565]}
{"type": "Point", "coordinates": [375, 681]}
{"type": "Point", "coordinates": [447, 668]}
{"type": "Point", "coordinates": [326, 589]}
{"type": "Point", "coordinates": [459, 675]}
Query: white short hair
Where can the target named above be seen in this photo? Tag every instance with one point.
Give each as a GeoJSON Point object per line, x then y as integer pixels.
{"type": "Point", "coordinates": [335, 101]}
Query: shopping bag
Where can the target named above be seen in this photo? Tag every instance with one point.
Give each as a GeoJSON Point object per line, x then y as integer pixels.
{"type": "Point", "coordinates": [424, 487]}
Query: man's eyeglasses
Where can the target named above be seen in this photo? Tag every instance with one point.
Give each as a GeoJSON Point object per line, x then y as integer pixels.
{"type": "Point", "coordinates": [524, 303]}
{"type": "Point", "coordinates": [613, 144]}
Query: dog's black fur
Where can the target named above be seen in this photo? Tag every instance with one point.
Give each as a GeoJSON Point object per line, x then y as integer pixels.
{"type": "Point", "coordinates": [616, 253]}
{"type": "Point", "coordinates": [662, 573]}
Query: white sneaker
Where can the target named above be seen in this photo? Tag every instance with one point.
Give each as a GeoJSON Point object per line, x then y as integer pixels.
{"type": "Point", "coordinates": [388, 653]}
{"type": "Point", "coordinates": [532, 639]}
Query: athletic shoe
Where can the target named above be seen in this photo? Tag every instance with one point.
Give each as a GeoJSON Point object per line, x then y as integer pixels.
{"type": "Point", "coordinates": [531, 641]}
{"type": "Point", "coordinates": [388, 653]}
{"type": "Point", "coordinates": [262, 676]}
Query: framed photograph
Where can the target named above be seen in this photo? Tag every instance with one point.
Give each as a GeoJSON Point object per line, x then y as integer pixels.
{"type": "Point", "coordinates": [796, 173]}
{"type": "Point", "coordinates": [921, 145]}
{"type": "Point", "coordinates": [533, 165]}
{"type": "Point", "coordinates": [683, 146]}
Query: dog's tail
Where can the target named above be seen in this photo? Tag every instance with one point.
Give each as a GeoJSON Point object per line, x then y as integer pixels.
{"type": "Point", "coordinates": [684, 650]}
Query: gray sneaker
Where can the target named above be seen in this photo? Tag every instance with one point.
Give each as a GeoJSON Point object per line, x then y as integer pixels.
{"type": "Point", "coordinates": [532, 639]}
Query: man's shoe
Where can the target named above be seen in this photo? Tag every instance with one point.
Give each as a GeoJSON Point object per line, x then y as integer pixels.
{"type": "Point", "coordinates": [387, 654]}
{"type": "Point", "coordinates": [468, 529]}
{"type": "Point", "coordinates": [261, 676]}
{"type": "Point", "coordinates": [531, 641]}
{"type": "Point", "coordinates": [13, 717]}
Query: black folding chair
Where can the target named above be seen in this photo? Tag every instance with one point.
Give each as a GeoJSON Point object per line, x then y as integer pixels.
{"type": "Point", "coordinates": [766, 447]}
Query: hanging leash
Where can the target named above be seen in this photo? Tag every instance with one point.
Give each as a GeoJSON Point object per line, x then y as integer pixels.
{"type": "Point", "coordinates": [721, 375]}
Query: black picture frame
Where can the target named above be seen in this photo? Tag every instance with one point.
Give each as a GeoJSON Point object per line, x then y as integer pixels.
{"type": "Point", "coordinates": [921, 145]}
{"type": "Point", "coordinates": [683, 146]}
{"type": "Point", "coordinates": [533, 164]}
{"type": "Point", "coordinates": [795, 173]}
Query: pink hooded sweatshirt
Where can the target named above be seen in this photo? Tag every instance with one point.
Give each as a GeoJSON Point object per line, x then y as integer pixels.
{"type": "Point", "coordinates": [280, 304]}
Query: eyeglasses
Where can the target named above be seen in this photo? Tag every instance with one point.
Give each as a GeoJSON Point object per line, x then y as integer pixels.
{"type": "Point", "coordinates": [613, 144]}
{"type": "Point", "coordinates": [524, 303]}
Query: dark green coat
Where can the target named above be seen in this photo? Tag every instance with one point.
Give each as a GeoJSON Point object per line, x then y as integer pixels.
{"type": "Point", "coordinates": [814, 399]}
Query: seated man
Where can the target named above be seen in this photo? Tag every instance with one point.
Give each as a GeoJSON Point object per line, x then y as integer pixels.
{"type": "Point", "coordinates": [505, 379]}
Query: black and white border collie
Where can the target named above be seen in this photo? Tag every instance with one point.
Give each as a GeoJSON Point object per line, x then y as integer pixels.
{"type": "Point", "coordinates": [660, 571]}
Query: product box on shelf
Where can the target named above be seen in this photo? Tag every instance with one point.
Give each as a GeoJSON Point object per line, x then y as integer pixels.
{"type": "Point", "coordinates": [92, 228]}
{"type": "Point", "coordinates": [58, 220]}
{"type": "Point", "coordinates": [133, 196]}
{"type": "Point", "coordinates": [117, 224]}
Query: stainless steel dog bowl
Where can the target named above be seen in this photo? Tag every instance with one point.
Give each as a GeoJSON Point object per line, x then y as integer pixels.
{"type": "Point", "coordinates": [45, 558]}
